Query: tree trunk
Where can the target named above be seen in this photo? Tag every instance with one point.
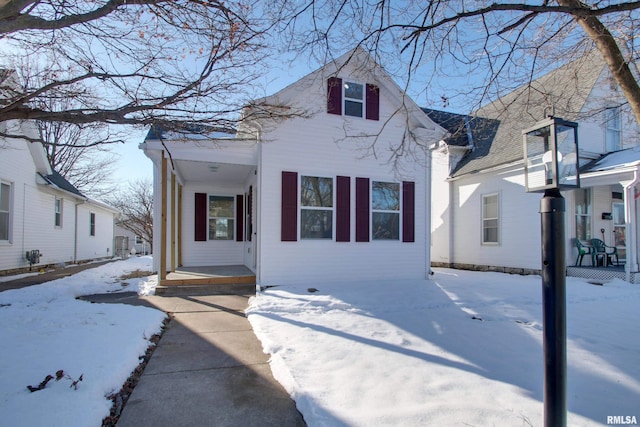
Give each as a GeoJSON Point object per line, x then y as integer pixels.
{"type": "Point", "coordinates": [610, 51]}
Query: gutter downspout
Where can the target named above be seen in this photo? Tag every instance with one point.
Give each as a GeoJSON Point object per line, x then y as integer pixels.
{"type": "Point", "coordinates": [630, 220]}
{"type": "Point", "coordinates": [427, 198]}
{"type": "Point", "coordinates": [258, 207]}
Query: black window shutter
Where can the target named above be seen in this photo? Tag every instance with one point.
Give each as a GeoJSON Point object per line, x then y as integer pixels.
{"type": "Point", "coordinates": [239, 216]}
{"type": "Point", "coordinates": [408, 211]}
{"type": "Point", "coordinates": [289, 214]}
{"type": "Point", "coordinates": [362, 209]}
{"type": "Point", "coordinates": [250, 213]}
{"type": "Point", "coordinates": [334, 95]}
{"type": "Point", "coordinates": [373, 102]}
{"type": "Point", "coordinates": [200, 228]}
{"type": "Point", "coordinates": [343, 209]}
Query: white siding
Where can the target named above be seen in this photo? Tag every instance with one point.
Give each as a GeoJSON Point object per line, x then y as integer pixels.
{"type": "Point", "coordinates": [440, 208]}
{"type": "Point", "coordinates": [33, 207]}
{"type": "Point", "coordinates": [519, 222]}
{"type": "Point", "coordinates": [100, 245]}
{"type": "Point", "coordinates": [318, 147]}
{"type": "Point", "coordinates": [210, 252]}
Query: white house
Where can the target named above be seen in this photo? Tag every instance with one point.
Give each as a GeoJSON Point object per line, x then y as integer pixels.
{"type": "Point", "coordinates": [482, 218]}
{"type": "Point", "coordinates": [40, 211]}
{"type": "Point", "coordinates": [128, 243]}
{"type": "Point", "coordinates": [338, 190]}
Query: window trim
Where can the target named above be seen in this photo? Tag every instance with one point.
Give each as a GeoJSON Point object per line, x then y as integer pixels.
{"type": "Point", "coordinates": [397, 212]}
{"type": "Point", "coordinates": [613, 116]}
{"type": "Point", "coordinates": [362, 100]}
{"type": "Point", "coordinates": [92, 224]}
{"type": "Point", "coordinates": [587, 192]}
{"type": "Point", "coordinates": [57, 212]}
{"type": "Point", "coordinates": [233, 218]}
{"type": "Point", "coordinates": [9, 212]}
{"type": "Point", "coordinates": [485, 197]}
{"type": "Point", "coordinates": [331, 209]}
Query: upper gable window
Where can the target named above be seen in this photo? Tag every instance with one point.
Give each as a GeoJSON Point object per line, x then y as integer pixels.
{"type": "Point", "coordinates": [353, 99]}
{"type": "Point", "coordinates": [613, 140]}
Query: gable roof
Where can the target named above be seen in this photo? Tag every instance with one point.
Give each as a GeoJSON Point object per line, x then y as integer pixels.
{"type": "Point", "coordinates": [58, 181]}
{"type": "Point", "coordinates": [361, 61]}
{"type": "Point", "coordinates": [565, 89]}
{"type": "Point", "coordinates": [464, 131]}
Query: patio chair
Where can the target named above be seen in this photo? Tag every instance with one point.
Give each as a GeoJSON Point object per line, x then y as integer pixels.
{"type": "Point", "coordinates": [582, 251]}
{"type": "Point", "coordinates": [600, 249]}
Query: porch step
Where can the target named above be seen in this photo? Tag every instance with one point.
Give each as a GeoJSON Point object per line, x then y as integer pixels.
{"type": "Point", "coordinates": [211, 285]}
{"type": "Point", "coordinates": [206, 289]}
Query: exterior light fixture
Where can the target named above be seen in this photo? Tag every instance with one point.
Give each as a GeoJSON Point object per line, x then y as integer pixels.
{"type": "Point", "coordinates": [551, 155]}
{"type": "Point", "coordinates": [550, 165]}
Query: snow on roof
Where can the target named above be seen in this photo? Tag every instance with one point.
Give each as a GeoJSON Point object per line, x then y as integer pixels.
{"type": "Point", "coordinates": [615, 160]}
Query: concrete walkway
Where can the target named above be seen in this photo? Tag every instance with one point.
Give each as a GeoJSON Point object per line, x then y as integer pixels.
{"type": "Point", "coordinates": [53, 274]}
{"type": "Point", "coordinates": [208, 368]}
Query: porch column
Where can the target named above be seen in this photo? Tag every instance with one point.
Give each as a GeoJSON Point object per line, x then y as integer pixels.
{"type": "Point", "coordinates": [162, 274]}
{"type": "Point", "coordinates": [179, 225]}
{"type": "Point", "coordinates": [173, 221]}
{"type": "Point", "coordinates": [630, 218]}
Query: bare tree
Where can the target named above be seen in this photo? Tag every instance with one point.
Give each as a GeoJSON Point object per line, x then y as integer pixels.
{"type": "Point", "coordinates": [79, 154]}
{"type": "Point", "coordinates": [187, 64]}
{"type": "Point", "coordinates": [490, 47]}
{"type": "Point", "coordinates": [136, 206]}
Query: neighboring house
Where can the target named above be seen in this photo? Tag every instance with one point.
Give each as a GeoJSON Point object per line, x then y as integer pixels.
{"type": "Point", "coordinates": [326, 194]}
{"type": "Point", "coordinates": [128, 243]}
{"type": "Point", "coordinates": [481, 216]}
{"type": "Point", "coordinates": [41, 211]}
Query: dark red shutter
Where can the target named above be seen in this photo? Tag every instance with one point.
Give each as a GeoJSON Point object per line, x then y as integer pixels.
{"type": "Point", "coordinates": [362, 209]}
{"type": "Point", "coordinates": [239, 216]}
{"type": "Point", "coordinates": [343, 209]}
{"type": "Point", "coordinates": [289, 219]}
{"type": "Point", "coordinates": [373, 102]}
{"type": "Point", "coordinates": [200, 229]}
{"type": "Point", "coordinates": [408, 211]}
{"type": "Point", "coordinates": [334, 95]}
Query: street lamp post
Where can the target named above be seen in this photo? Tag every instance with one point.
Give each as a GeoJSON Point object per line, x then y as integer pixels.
{"type": "Point", "coordinates": [551, 164]}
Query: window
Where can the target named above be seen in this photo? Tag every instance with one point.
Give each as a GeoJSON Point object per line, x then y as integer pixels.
{"type": "Point", "coordinates": [385, 210]}
{"type": "Point", "coordinates": [316, 208]}
{"type": "Point", "coordinates": [583, 213]}
{"type": "Point", "coordinates": [353, 99]}
{"type": "Point", "coordinates": [138, 240]}
{"type": "Point", "coordinates": [619, 229]}
{"type": "Point", "coordinates": [58, 212]}
{"type": "Point", "coordinates": [92, 224]}
{"type": "Point", "coordinates": [613, 139]}
{"type": "Point", "coordinates": [5, 211]}
{"type": "Point", "coordinates": [490, 219]}
{"type": "Point", "coordinates": [221, 217]}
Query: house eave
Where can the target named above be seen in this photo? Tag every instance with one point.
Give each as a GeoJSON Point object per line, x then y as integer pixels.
{"type": "Point", "coordinates": [500, 167]}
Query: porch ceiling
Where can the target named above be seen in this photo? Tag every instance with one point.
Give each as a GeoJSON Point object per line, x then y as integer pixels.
{"type": "Point", "coordinates": [195, 171]}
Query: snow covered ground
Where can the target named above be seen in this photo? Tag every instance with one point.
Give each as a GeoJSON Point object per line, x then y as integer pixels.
{"type": "Point", "coordinates": [45, 329]}
{"type": "Point", "coordinates": [462, 349]}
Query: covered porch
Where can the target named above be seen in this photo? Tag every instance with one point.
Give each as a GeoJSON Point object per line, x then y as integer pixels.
{"type": "Point", "coordinates": [203, 223]}
{"type": "Point", "coordinates": [606, 208]}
